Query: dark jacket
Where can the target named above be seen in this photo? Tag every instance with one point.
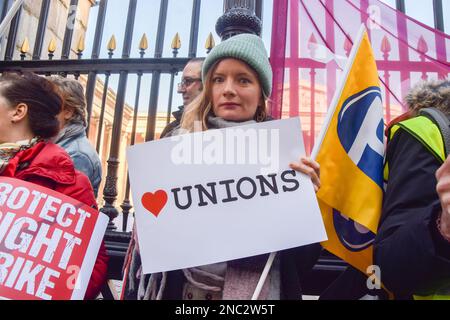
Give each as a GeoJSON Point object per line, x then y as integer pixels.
{"type": "Point", "coordinates": [414, 258]}
{"type": "Point", "coordinates": [352, 285]}
{"type": "Point", "coordinates": [168, 130]}
{"type": "Point", "coordinates": [47, 165]}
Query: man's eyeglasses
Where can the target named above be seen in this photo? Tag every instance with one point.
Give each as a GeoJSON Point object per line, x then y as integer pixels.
{"type": "Point", "coordinates": [187, 82]}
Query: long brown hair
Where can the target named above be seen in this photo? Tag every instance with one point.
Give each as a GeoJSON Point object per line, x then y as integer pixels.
{"type": "Point", "coordinates": [199, 109]}
{"type": "Point", "coordinates": [74, 100]}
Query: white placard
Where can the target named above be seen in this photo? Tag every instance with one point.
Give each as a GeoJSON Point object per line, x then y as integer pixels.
{"type": "Point", "coordinates": [244, 198]}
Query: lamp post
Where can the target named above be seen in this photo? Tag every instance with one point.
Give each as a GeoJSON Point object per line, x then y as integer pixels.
{"type": "Point", "coordinates": [240, 16]}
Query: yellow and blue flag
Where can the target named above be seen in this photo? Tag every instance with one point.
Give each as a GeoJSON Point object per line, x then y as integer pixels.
{"type": "Point", "coordinates": [350, 153]}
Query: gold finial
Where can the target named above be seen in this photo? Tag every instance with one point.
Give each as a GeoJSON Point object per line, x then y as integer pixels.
{"type": "Point", "coordinates": [25, 46]}
{"type": "Point", "coordinates": [176, 42]}
{"type": "Point", "coordinates": [210, 43]}
{"type": "Point", "coordinates": [112, 43]}
{"type": "Point", "coordinates": [143, 45]}
{"type": "Point", "coordinates": [81, 45]}
{"type": "Point", "coordinates": [52, 46]}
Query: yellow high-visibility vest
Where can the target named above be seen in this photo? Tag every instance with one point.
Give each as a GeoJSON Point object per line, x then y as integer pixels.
{"type": "Point", "coordinates": [429, 135]}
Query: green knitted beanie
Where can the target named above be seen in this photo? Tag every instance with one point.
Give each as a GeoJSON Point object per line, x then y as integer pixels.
{"type": "Point", "coordinates": [248, 48]}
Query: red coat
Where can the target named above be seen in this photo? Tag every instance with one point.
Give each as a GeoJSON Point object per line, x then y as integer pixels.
{"type": "Point", "coordinates": [48, 165]}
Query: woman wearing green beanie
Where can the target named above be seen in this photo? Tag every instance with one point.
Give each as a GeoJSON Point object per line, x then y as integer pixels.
{"type": "Point", "coordinates": [237, 79]}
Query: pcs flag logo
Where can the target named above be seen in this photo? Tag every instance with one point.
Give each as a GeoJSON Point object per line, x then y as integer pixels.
{"type": "Point", "coordinates": [361, 117]}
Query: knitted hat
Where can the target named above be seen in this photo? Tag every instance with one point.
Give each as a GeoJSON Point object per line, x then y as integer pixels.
{"type": "Point", "coordinates": [248, 48]}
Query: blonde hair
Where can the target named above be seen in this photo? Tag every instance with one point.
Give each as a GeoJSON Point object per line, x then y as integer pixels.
{"type": "Point", "coordinates": [199, 109]}
{"type": "Point", "coordinates": [74, 100]}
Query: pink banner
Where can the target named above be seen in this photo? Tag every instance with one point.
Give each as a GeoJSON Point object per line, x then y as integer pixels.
{"type": "Point", "coordinates": [312, 39]}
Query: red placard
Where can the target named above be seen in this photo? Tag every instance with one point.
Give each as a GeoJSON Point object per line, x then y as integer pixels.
{"type": "Point", "coordinates": [48, 243]}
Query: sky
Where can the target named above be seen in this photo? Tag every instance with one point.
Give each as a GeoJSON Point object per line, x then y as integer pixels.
{"type": "Point", "coordinates": [179, 20]}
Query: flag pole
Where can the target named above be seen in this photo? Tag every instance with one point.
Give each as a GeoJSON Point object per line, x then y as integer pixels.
{"type": "Point", "coordinates": [264, 275]}
{"type": "Point", "coordinates": [338, 92]}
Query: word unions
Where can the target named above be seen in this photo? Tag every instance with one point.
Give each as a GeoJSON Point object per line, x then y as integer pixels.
{"type": "Point", "coordinates": [245, 188]}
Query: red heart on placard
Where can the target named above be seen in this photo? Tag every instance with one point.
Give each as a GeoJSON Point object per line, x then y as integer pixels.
{"type": "Point", "coordinates": [155, 202]}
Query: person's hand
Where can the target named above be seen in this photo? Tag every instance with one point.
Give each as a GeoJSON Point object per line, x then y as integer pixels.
{"type": "Point", "coordinates": [443, 190]}
{"type": "Point", "coordinates": [309, 167]}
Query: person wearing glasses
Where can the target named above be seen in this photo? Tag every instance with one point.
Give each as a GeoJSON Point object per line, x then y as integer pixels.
{"type": "Point", "coordinates": [190, 88]}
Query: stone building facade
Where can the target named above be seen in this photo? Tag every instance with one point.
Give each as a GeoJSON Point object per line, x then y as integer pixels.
{"type": "Point", "coordinates": [56, 25]}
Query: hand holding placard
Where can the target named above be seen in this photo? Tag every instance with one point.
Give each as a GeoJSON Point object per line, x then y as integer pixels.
{"type": "Point", "coordinates": [209, 209]}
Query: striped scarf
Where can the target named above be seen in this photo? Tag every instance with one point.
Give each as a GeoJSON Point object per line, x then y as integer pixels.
{"type": "Point", "coordinates": [9, 150]}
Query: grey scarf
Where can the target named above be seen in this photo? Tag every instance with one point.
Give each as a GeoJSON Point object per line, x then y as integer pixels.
{"type": "Point", "coordinates": [213, 123]}
{"type": "Point", "coordinates": [219, 123]}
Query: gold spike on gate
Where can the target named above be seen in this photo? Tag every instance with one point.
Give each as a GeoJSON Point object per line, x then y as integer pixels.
{"type": "Point", "coordinates": [81, 44]}
{"type": "Point", "coordinates": [112, 45]}
{"type": "Point", "coordinates": [143, 44]}
{"type": "Point", "coordinates": [176, 42]}
{"type": "Point", "coordinates": [52, 46]}
{"type": "Point", "coordinates": [210, 43]}
{"type": "Point", "coordinates": [25, 46]}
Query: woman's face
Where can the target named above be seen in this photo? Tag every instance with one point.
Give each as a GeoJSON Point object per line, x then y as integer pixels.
{"type": "Point", "coordinates": [236, 92]}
